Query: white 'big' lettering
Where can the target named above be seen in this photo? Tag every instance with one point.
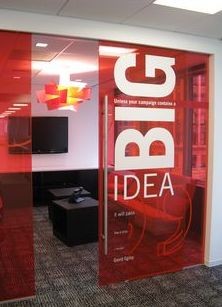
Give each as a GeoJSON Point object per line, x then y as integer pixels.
{"type": "Point", "coordinates": [144, 160]}
{"type": "Point", "coordinates": [152, 63]}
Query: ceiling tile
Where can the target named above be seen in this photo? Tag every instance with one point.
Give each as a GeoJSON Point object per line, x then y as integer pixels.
{"type": "Point", "coordinates": [103, 10]}
{"type": "Point", "coordinates": [38, 6]}
{"type": "Point", "coordinates": [209, 26]}
{"type": "Point", "coordinates": [55, 43]}
{"type": "Point", "coordinates": [164, 18]}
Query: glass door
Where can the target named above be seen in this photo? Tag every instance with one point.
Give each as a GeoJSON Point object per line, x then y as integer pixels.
{"type": "Point", "coordinates": [152, 199]}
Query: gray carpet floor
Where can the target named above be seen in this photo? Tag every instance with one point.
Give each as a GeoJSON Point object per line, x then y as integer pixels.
{"type": "Point", "coordinates": [67, 277]}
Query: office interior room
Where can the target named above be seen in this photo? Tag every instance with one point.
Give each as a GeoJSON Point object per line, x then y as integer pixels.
{"type": "Point", "coordinates": [77, 61]}
{"type": "Point", "coordinates": [73, 37]}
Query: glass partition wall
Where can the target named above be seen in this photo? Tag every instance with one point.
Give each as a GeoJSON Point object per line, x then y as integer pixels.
{"type": "Point", "coordinates": [153, 124]}
{"type": "Point", "coordinates": [16, 231]}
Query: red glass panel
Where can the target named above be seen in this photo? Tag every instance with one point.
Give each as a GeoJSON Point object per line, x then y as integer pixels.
{"type": "Point", "coordinates": [16, 239]}
{"type": "Point", "coordinates": [153, 153]}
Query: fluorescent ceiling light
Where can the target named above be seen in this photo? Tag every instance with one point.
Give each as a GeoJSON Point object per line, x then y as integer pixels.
{"type": "Point", "coordinates": [41, 45]}
{"type": "Point", "coordinates": [114, 51]}
{"type": "Point", "coordinates": [14, 108]}
{"type": "Point", "coordinates": [201, 6]}
{"type": "Point", "coordinates": [56, 67]}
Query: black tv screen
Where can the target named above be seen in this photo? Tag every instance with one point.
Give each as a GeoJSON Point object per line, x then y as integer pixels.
{"type": "Point", "coordinates": [49, 135]}
{"type": "Point", "coordinates": [46, 134]}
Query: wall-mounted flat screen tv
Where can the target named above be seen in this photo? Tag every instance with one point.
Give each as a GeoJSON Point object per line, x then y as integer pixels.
{"type": "Point", "coordinates": [48, 135]}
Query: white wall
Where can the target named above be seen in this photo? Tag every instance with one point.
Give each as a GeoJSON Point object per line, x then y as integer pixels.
{"type": "Point", "coordinates": [82, 136]}
{"type": "Point", "coordinates": [85, 28]}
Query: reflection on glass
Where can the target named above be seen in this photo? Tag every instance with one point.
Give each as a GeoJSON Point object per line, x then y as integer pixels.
{"type": "Point", "coordinates": [16, 238]}
{"type": "Point", "coordinates": [155, 214]}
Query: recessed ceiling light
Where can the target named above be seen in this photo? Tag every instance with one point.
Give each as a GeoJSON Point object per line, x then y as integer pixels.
{"type": "Point", "coordinates": [114, 51]}
{"type": "Point", "coordinates": [201, 6]}
{"type": "Point", "coordinates": [20, 104]}
{"type": "Point", "coordinates": [41, 45]}
{"type": "Point", "coordinates": [14, 109]}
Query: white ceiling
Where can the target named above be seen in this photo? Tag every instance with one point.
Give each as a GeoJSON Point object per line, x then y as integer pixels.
{"type": "Point", "coordinates": [65, 50]}
{"type": "Point", "coordinates": [130, 12]}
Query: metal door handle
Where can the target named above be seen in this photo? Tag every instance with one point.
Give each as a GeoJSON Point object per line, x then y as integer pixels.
{"type": "Point", "coordinates": [105, 186]}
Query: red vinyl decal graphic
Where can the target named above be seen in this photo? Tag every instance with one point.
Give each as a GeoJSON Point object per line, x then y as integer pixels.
{"type": "Point", "coordinates": [153, 160]}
